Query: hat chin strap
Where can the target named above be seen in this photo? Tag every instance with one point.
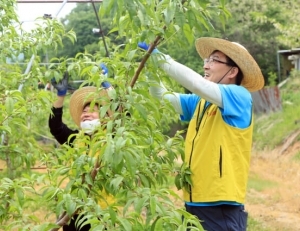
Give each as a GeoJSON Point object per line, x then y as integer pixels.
{"type": "Point", "coordinates": [224, 75]}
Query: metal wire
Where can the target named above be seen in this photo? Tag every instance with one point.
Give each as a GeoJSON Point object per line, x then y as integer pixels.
{"type": "Point", "coordinates": [100, 28]}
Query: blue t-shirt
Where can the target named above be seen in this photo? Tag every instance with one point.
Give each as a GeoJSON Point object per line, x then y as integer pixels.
{"type": "Point", "coordinates": [236, 111]}
{"type": "Point", "coordinates": [237, 105]}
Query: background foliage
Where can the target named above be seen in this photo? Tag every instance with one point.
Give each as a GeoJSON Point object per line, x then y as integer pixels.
{"type": "Point", "coordinates": [263, 27]}
{"type": "Point", "coordinates": [281, 124]}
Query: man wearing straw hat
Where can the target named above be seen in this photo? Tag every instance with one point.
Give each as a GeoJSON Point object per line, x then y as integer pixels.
{"type": "Point", "coordinates": [219, 136]}
{"type": "Point", "coordinates": [84, 108]}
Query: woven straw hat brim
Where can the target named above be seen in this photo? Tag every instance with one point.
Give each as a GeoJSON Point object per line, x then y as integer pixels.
{"type": "Point", "coordinates": [253, 79]}
{"type": "Point", "coordinates": [83, 96]}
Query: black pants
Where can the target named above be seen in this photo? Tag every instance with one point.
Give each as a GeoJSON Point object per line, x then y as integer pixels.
{"type": "Point", "coordinates": [72, 227]}
{"type": "Point", "coordinates": [220, 217]}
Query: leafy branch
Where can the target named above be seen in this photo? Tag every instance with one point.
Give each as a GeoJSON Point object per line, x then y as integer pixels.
{"type": "Point", "coordinates": [64, 218]}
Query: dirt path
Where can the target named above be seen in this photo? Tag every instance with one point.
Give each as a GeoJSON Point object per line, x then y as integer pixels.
{"type": "Point", "coordinates": [277, 207]}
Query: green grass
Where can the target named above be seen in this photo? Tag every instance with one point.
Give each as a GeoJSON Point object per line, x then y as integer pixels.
{"type": "Point", "coordinates": [296, 157]}
{"type": "Point", "coordinates": [270, 130]}
{"type": "Point", "coordinates": [259, 184]}
{"type": "Point", "coordinates": [254, 225]}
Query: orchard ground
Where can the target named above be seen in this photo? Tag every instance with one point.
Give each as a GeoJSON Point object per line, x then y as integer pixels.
{"type": "Point", "coordinates": [277, 207]}
{"type": "Point", "coordinates": [273, 197]}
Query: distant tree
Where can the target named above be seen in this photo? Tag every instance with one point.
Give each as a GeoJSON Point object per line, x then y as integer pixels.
{"type": "Point", "coordinates": [82, 20]}
{"type": "Point", "coordinates": [258, 36]}
{"type": "Point", "coordinates": [20, 100]}
{"type": "Point", "coordinates": [286, 21]}
{"type": "Point", "coordinates": [264, 27]}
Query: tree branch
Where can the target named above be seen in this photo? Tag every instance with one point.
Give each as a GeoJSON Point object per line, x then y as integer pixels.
{"type": "Point", "coordinates": [64, 218]}
{"type": "Point", "coordinates": [146, 57]}
{"type": "Point", "coordinates": [144, 60]}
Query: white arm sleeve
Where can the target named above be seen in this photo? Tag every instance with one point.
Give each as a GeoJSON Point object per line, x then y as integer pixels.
{"type": "Point", "coordinates": [159, 91]}
{"type": "Point", "coordinates": [192, 81]}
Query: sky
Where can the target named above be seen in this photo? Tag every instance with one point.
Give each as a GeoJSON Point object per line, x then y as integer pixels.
{"type": "Point", "coordinates": [28, 12]}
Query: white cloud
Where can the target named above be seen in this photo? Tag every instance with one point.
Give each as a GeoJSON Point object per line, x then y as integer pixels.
{"type": "Point", "coordinates": [29, 12]}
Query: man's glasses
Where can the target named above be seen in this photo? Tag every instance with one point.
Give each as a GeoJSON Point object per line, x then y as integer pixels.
{"type": "Point", "coordinates": [211, 62]}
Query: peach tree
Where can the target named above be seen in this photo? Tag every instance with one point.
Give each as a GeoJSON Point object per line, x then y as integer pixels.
{"type": "Point", "coordinates": [132, 158]}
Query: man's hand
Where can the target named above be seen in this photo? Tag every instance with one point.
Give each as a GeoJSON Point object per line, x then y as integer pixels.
{"type": "Point", "coordinates": [106, 85]}
{"type": "Point", "coordinates": [62, 85]}
{"type": "Point", "coordinates": [145, 47]}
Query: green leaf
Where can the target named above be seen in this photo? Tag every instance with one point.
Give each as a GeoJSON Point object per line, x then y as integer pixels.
{"type": "Point", "coordinates": [125, 224]}
{"type": "Point", "coordinates": [9, 105]}
{"type": "Point", "coordinates": [120, 143]}
{"type": "Point", "coordinates": [5, 129]}
{"type": "Point", "coordinates": [20, 196]}
{"type": "Point", "coordinates": [180, 19]}
{"type": "Point", "coordinates": [89, 179]}
{"type": "Point", "coordinates": [139, 204]}
{"type": "Point", "coordinates": [51, 193]}
{"type": "Point", "coordinates": [82, 194]}
{"type": "Point", "coordinates": [178, 182]}
{"type": "Point", "coordinates": [142, 111]}
{"type": "Point", "coordinates": [116, 182]}
{"type": "Point", "coordinates": [131, 164]}
{"type": "Point", "coordinates": [159, 224]}
{"type": "Point", "coordinates": [144, 180]}
{"type": "Point", "coordinates": [153, 205]}
{"type": "Point", "coordinates": [109, 126]}
{"type": "Point", "coordinates": [188, 33]}
{"type": "Point", "coordinates": [169, 13]}
{"type": "Point", "coordinates": [70, 204]}
{"type": "Point", "coordinates": [113, 215]}
{"type": "Point", "coordinates": [95, 69]}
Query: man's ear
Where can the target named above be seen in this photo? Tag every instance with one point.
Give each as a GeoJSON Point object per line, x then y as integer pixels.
{"type": "Point", "coordinates": [234, 72]}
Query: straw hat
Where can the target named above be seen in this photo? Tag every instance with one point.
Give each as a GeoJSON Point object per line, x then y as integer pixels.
{"type": "Point", "coordinates": [81, 97]}
{"type": "Point", "coordinates": [253, 79]}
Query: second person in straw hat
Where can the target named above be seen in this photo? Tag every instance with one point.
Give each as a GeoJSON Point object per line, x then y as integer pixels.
{"type": "Point", "coordinates": [219, 136]}
{"type": "Point", "coordinates": [84, 108]}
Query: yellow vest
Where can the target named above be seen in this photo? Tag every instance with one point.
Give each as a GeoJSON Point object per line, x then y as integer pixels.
{"type": "Point", "coordinates": [218, 155]}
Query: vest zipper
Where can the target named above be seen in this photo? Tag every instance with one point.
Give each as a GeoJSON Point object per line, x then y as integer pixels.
{"type": "Point", "coordinates": [190, 160]}
{"type": "Point", "coordinates": [198, 122]}
{"type": "Point", "coordinates": [220, 162]}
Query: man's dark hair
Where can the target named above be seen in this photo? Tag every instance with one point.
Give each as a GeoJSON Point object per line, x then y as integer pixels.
{"type": "Point", "coordinates": [240, 75]}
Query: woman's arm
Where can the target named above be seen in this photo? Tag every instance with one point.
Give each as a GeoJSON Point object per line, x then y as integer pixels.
{"type": "Point", "coordinates": [58, 129]}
